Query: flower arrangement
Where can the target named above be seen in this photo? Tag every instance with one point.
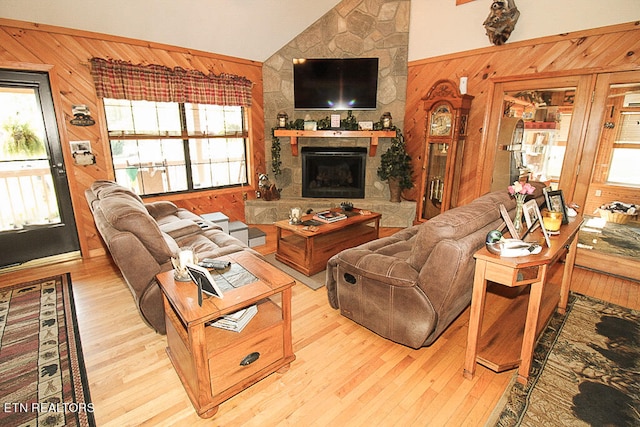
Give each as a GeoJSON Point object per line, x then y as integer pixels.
{"type": "Point", "coordinates": [520, 191]}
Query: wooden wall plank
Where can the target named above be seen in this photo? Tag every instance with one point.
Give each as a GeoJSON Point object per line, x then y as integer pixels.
{"type": "Point", "coordinates": [69, 52]}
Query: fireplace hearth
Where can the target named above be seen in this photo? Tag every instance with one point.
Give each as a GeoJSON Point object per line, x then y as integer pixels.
{"type": "Point", "coordinates": [333, 172]}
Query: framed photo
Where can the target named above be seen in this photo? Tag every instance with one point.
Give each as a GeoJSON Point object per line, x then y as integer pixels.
{"type": "Point", "coordinates": [555, 202]}
{"type": "Point", "coordinates": [507, 221]}
{"type": "Point", "coordinates": [205, 282]}
{"type": "Point", "coordinates": [537, 219]}
{"type": "Point", "coordinates": [531, 214]}
{"type": "Point", "coordinates": [544, 230]}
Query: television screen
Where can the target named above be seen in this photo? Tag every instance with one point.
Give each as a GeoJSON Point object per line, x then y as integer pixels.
{"type": "Point", "coordinates": [335, 84]}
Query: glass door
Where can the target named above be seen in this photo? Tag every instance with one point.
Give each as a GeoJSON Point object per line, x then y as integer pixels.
{"type": "Point", "coordinates": [36, 219]}
{"type": "Point", "coordinates": [614, 134]}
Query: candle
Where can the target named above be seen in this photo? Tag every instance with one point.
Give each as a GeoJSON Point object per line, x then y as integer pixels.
{"type": "Point", "coordinates": [552, 220]}
{"type": "Point", "coordinates": [186, 257]}
{"type": "Point", "coordinates": [296, 214]}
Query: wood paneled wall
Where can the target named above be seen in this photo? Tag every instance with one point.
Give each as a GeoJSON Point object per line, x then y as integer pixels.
{"type": "Point", "coordinates": [607, 49]}
{"type": "Point", "coordinates": [65, 53]}
{"type": "Point", "coordinates": [608, 194]}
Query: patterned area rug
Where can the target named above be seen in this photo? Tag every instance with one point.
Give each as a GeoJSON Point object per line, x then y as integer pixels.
{"type": "Point", "coordinates": [42, 375]}
{"type": "Point", "coordinates": [585, 370]}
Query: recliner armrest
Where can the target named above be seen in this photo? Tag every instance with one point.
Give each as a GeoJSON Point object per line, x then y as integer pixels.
{"type": "Point", "coordinates": [376, 266]}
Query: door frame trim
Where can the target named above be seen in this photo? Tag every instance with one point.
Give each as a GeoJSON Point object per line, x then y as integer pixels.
{"type": "Point", "coordinates": [584, 83]}
{"type": "Point", "coordinates": [63, 135]}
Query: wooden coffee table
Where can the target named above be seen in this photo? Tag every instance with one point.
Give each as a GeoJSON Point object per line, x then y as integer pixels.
{"type": "Point", "coordinates": [308, 251]}
{"type": "Point", "coordinates": [215, 364]}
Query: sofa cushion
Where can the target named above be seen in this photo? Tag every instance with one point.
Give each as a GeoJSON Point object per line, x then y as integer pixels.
{"type": "Point", "coordinates": [452, 224]}
{"type": "Point", "coordinates": [212, 244]}
{"type": "Point", "coordinates": [180, 228]}
{"type": "Point", "coordinates": [161, 209]}
{"type": "Point", "coordinates": [103, 189]}
{"type": "Point", "coordinates": [126, 214]}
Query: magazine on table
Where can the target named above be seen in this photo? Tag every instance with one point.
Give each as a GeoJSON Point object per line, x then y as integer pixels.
{"type": "Point", "coordinates": [329, 216]}
{"type": "Point", "coordinates": [236, 321]}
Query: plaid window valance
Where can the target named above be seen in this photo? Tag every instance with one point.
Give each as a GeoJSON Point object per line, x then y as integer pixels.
{"type": "Point", "coordinates": [123, 80]}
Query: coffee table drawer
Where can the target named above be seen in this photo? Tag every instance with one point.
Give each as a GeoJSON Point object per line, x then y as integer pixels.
{"type": "Point", "coordinates": [257, 352]}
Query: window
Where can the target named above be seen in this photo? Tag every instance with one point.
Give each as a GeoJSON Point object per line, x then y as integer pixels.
{"type": "Point", "coordinates": [163, 147]}
{"type": "Point", "coordinates": [625, 155]}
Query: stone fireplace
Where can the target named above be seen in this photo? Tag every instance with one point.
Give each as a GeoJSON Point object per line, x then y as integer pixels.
{"type": "Point", "coordinates": [345, 158]}
{"type": "Point", "coordinates": [333, 172]}
{"type": "Point", "coordinates": [359, 28]}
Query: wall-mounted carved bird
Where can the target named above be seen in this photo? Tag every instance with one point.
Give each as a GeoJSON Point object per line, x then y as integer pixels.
{"type": "Point", "coordinates": [501, 21]}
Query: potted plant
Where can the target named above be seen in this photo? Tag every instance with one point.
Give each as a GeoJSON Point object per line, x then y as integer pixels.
{"type": "Point", "coordinates": [22, 140]}
{"type": "Point", "coordinates": [395, 167]}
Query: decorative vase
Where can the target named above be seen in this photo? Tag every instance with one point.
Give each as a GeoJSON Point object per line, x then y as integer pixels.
{"type": "Point", "coordinates": [394, 189]}
{"type": "Point", "coordinates": [517, 220]}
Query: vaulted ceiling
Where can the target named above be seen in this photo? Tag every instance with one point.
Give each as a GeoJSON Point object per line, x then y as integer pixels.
{"type": "Point", "coordinates": [250, 29]}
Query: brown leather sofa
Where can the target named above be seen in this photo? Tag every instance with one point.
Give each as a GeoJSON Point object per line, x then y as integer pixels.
{"type": "Point", "coordinates": [142, 238]}
{"type": "Point", "coordinates": [410, 286]}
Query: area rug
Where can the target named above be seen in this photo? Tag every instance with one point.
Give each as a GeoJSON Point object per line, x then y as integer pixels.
{"type": "Point", "coordinates": [314, 282]}
{"type": "Point", "coordinates": [43, 381]}
{"type": "Point", "coordinates": [585, 370]}
{"type": "Point", "coordinates": [599, 235]}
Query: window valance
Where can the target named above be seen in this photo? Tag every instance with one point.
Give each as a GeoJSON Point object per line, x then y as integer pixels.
{"type": "Point", "coordinates": [123, 80]}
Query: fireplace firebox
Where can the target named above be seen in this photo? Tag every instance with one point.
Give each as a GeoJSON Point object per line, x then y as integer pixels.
{"type": "Point", "coordinates": [333, 172]}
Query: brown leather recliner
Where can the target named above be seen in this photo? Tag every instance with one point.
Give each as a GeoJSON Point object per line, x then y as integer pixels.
{"type": "Point", "coordinates": [409, 287]}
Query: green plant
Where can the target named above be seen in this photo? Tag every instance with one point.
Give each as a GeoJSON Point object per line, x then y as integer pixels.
{"type": "Point", "coordinates": [276, 163]}
{"type": "Point", "coordinates": [22, 140]}
{"type": "Point", "coordinates": [396, 162]}
{"type": "Point", "coordinates": [275, 154]}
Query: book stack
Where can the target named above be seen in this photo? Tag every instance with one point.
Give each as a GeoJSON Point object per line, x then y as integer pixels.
{"type": "Point", "coordinates": [329, 216]}
{"type": "Point", "coordinates": [236, 321]}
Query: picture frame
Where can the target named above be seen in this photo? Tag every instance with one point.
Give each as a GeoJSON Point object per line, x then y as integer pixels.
{"type": "Point", "coordinates": [538, 215]}
{"type": "Point", "coordinates": [531, 214]}
{"type": "Point", "coordinates": [202, 278]}
{"type": "Point", "coordinates": [555, 202]}
{"type": "Point", "coordinates": [507, 221]}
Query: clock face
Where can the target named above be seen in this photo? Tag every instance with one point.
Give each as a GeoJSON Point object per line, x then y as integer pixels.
{"type": "Point", "coordinates": [441, 118]}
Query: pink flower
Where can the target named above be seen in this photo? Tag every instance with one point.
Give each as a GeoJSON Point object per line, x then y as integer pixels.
{"type": "Point", "coordinates": [520, 188]}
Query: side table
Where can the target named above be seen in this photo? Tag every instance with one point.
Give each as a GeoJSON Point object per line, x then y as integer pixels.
{"type": "Point", "coordinates": [215, 364]}
{"type": "Point", "coordinates": [516, 348]}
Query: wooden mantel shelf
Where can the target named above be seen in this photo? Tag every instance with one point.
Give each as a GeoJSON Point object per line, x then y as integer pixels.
{"type": "Point", "coordinates": [373, 135]}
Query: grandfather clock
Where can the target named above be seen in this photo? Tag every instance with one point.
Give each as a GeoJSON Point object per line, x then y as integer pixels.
{"type": "Point", "coordinates": [447, 116]}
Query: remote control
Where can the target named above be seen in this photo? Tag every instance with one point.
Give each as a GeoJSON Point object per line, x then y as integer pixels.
{"type": "Point", "coordinates": [214, 263]}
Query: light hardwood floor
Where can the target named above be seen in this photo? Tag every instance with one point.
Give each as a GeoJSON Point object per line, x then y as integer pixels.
{"type": "Point", "coordinates": [343, 374]}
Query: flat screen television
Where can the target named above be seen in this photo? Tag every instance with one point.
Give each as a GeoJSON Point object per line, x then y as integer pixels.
{"type": "Point", "coordinates": [335, 83]}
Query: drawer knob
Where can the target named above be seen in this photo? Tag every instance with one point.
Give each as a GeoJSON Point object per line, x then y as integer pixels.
{"type": "Point", "coordinates": [250, 358]}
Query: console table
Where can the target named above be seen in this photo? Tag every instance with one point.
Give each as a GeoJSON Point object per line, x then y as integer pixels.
{"type": "Point", "coordinates": [215, 364]}
{"type": "Point", "coordinates": [506, 346]}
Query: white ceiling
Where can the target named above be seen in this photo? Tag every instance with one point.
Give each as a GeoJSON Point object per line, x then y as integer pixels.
{"type": "Point", "coordinates": [250, 29]}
